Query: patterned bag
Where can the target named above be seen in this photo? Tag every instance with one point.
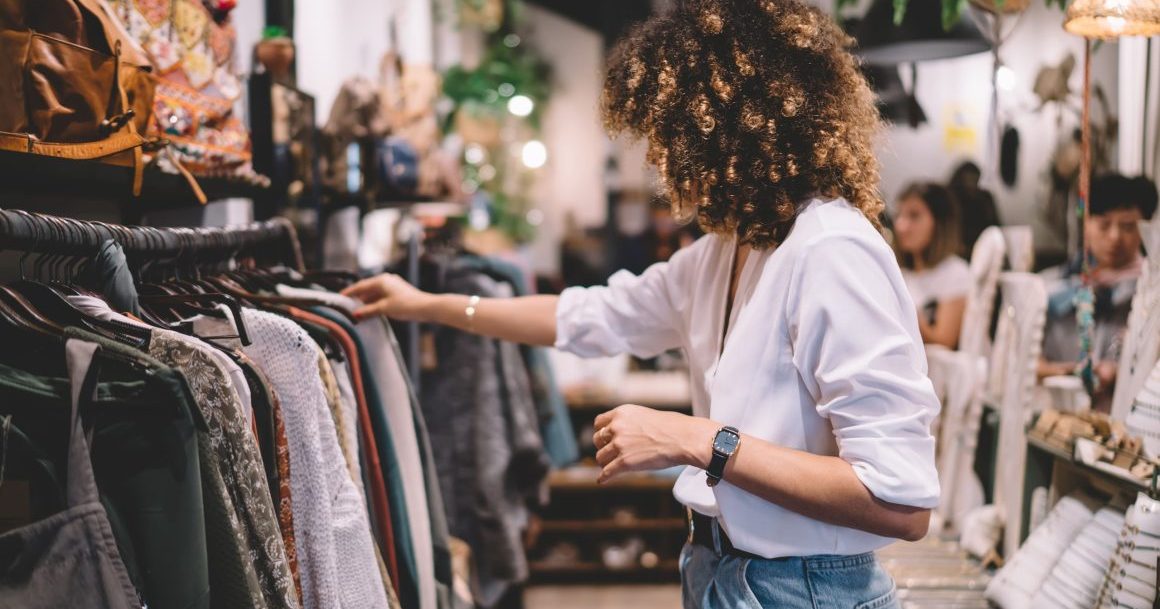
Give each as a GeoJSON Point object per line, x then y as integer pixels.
{"type": "Point", "coordinates": [192, 49]}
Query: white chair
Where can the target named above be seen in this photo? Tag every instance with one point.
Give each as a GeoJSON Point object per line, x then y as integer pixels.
{"type": "Point", "coordinates": [1018, 344]}
{"type": "Point", "coordinates": [1020, 247]}
{"type": "Point", "coordinates": [958, 379]}
{"type": "Point", "coordinates": [986, 264]}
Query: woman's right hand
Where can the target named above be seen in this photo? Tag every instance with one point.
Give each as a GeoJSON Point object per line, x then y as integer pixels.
{"type": "Point", "coordinates": [390, 296]}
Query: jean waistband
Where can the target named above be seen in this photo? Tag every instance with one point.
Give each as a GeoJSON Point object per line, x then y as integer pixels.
{"type": "Point", "coordinates": [707, 531]}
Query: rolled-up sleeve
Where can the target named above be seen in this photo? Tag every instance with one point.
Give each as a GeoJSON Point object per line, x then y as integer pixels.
{"type": "Point", "coordinates": [857, 349]}
{"type": "Point", "coordinates": [637, 314]}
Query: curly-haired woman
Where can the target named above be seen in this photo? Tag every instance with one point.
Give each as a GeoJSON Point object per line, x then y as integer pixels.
{"type": "Point", "coordinates": [810, 443]}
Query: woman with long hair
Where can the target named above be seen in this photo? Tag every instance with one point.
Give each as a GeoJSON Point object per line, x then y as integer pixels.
{"type": "Point", "coordinates": [810, 444]}
{"type": "Point", "coordinates": [926, 241]}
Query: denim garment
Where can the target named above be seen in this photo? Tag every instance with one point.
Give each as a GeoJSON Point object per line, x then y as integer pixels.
{"type": "Point", "coordinates": [711, 581]}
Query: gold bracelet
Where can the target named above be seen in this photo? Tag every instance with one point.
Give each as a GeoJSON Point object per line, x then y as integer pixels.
{"type": "Point", "coordinates": [472, 303]}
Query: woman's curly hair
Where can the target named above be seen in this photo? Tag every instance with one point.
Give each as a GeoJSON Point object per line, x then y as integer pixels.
{"type": "Point", "coordinates": [749, 107]}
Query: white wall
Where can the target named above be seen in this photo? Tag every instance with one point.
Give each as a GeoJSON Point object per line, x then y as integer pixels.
{"type": "Point", "coordinates": [573, 179]}
{"type": "Point", "coordinates": [337, 39]}
{"type": "Point", "coordinates": [964, 85]}
{"type": "Point", "coordinates": [249, 18]}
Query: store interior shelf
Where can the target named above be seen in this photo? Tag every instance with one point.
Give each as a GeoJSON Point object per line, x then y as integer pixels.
{"type": "Point", "coordinates": [644, 524]}
{"type": "Point", "coordinates": [38, 177]}
{"type": "Point", "coordinates": [665, 569]}
{"type": "Point", "coordinates": [1111, 476]}
{"type": "Point", "coordinates": [582, 481]}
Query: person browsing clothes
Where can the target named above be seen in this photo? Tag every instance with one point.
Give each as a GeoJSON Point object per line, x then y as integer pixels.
{"type": "Point", "coordinates": [810, 445]}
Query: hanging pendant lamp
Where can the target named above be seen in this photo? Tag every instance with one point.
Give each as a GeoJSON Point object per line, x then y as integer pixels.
{"type": "Point", "coordinates": [920, 36]}
{"type": "Point", "coordinates": [1113, 18]}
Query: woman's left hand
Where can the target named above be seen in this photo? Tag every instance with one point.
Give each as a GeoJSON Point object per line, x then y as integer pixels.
{"type": "Point", "coordinates": [633, 438]}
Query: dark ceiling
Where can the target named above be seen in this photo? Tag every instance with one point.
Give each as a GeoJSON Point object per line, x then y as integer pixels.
{"type": "Point", "coordinates": [609, 17]}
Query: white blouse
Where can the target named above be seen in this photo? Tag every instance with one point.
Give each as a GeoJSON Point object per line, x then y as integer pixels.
{"type": "Point", "coordinates": [822, 354]}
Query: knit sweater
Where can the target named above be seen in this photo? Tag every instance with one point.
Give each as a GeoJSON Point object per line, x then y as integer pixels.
{"type": "Point", "coordinates": [336, 555]}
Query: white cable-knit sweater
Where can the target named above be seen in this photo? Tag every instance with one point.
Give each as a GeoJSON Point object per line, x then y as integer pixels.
{"type": "Point", "coordinates": [392, 383]}
{"type": "Point", "coordinates": [336, 556]}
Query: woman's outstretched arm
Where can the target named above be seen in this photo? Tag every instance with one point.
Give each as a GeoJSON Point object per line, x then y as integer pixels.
{"type": "Point", "coordinates": [528, 319]}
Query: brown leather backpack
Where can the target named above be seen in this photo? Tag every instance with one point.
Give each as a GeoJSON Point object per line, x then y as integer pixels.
{"type": "Point", "coordinates": [73, 84]}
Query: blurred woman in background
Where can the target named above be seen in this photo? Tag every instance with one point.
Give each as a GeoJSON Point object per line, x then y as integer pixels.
{"type": "Point", "coordinates": [926, 241]}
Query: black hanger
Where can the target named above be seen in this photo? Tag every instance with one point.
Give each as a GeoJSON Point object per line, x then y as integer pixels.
{"type": "Point", "coordinates": [43, 299]}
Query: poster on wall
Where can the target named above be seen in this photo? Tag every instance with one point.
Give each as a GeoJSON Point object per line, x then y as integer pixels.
{"type": "Point", "coordinates": [961, 129]}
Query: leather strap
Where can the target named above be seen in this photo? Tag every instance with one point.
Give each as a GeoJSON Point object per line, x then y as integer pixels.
{"type": "Point", "coordinates": [716, 469]}
{"type": "Point", "coordinates": [193, 185]}
{"type": "Point", "coordinates": [118, 142]}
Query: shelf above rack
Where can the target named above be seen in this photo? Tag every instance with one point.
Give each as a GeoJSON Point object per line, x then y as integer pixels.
{"type": "Point", "coordinates": [39, 177]}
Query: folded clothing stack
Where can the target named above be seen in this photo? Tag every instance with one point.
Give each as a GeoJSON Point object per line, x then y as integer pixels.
{"type": "Point", "coordinates": [1132, 574]}
{"type": "Point", "coordinates": [1076, 579]}
{"type": "Point", "coordinates": [1018, 581]}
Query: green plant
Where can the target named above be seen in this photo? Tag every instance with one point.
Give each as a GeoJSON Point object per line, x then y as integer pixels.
{"type": "Point", "coordinates": [952, 10]}
{"type": "Point", "coordinates": [274, 31]}
{"type": "Point", "coordinates": [484, 94]}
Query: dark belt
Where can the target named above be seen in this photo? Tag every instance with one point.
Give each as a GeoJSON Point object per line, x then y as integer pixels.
{"type": "Point", "coordinates": [706, 531]}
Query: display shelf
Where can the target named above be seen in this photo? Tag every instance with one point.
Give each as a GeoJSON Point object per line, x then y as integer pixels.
{"type": "Point", "coordinates": [584, 479]}
{"type": "Point", "coordinates": [610, 525]}
{"type": "Point", "coordinates": [586, 518]}
{"type": "Point", "coordinates": [664, 568]}
{"type": "Point", "coordinates": [1050, 465]}
{"type": "Point", "coordinates": [40, 177]}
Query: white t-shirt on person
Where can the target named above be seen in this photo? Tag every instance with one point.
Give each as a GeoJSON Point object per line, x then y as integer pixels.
{"type": "Point", "coordinates": [947, 280]}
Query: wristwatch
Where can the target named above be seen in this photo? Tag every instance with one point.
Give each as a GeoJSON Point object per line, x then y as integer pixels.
{"type": "Point", "coordinates": [725, 443]}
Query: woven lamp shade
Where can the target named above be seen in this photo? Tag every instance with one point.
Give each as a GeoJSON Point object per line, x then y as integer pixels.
{"type": "Point", "coordinates": [1113, 18]}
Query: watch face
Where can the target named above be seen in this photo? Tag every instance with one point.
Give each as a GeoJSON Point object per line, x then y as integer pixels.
{"type": "Point", "coordinates": [726, 442]}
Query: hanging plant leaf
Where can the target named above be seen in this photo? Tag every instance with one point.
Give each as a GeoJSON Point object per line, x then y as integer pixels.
{"type": "Point", "coordinates": [952, 10]}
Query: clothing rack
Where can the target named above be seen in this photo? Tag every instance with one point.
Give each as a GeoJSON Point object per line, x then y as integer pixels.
{"type": "Point", "coordinates": [44, 234]}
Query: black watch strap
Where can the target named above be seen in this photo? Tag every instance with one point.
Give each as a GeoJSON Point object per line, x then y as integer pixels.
{"type": "Point", "coordinates": [716, 469]}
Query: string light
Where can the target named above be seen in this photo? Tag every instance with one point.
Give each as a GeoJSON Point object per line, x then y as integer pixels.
{"type": "Point", "coordinates": [534, 154]}
{"type": "Point", "coordinates": [521, 105]}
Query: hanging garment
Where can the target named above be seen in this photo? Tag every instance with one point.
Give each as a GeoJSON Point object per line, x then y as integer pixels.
{"type": "Point", "coordinates": [145, 459]}
{"type": "Point", "coordinates": [478, 406]}
{"type": "Point", "coordinates": [344, 428]}
{"type": "Point", "coordinates": [555, 420]}
{"type": "Point", "coordinates": [231, 450]}
{"type": "Point", "coordinates": [281, 494]}
{"type": "Point", "coordinates": [108, 274]}
{"type": "Point", "coordinates": [380, 503]}
{"type": "Point", "coordinates": [392, 383]}
{"type": "Point", "coordinates": [348, 431]}
{"type": "Point", "coordinates": [69, 559]}
{"type": "Point", "coordinates": [336, 555]}
{"type": "Point", "coordinates": [390, 465]}
{"type": "Point", "coordinates": [377, 337]}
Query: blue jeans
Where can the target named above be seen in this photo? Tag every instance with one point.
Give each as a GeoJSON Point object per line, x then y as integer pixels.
{"type": "Point", "coordinates": [711, 581]}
